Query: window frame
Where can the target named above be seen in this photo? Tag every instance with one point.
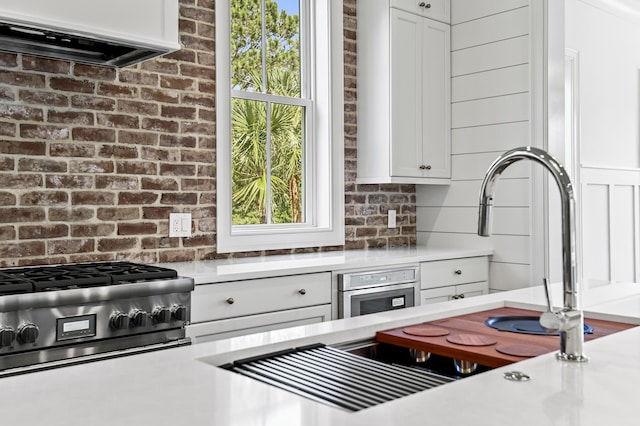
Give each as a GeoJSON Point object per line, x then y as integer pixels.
{"type": "Point", "coordinates": [324, 156]}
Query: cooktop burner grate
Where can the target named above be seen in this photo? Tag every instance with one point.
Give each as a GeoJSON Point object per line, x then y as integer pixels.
{"type": "Point", "coordinates": [82, 275]}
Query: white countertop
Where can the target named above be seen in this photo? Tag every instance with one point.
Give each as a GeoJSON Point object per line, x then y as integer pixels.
{"type": "Point", "coordinates": [221, 270]}
{"type": "Point", "coordinates": [183, 387]}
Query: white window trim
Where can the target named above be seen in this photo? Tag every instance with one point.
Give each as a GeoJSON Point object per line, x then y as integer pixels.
{"type": "Point", "coordinates": [325, 208]}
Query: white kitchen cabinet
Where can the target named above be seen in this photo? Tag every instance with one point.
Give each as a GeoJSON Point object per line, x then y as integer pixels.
{"type": "Point", "coordinates": [453, 279]}
{"type": "Point", "coordinates": [404, 96]}
{"type": "Point", "coordinates": [243, 307]}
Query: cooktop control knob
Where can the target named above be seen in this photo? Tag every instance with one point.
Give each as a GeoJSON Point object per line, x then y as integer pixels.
{"type": "Point", "coordinates": [161, 314]}
{"type": "Point", "coordinates": [119, 320]}
{"type": "Point", "coordinates": [138, 317]}
{"type": "Point", "coordinates": [179, 312]}
{"type": "Point", "coordinates": [7, 335]}
{"type": "Point", "coordinates": [28, 333]}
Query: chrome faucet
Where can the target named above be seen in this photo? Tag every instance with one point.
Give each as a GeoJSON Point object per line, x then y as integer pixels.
{"type": "Point", "coordinates": [569, 321]}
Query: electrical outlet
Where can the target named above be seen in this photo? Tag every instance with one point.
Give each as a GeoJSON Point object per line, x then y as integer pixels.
{"type": "Point", "coordinates": [179, 224]}
{"type": "Point", "coordinates": [391, 219]}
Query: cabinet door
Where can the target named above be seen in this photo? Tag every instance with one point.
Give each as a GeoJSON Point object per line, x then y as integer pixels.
{"type": "Point", "coordinates": [227, 328]}
{"type": "Point", "coordinates": [436, 100]}
{"type": "Point", "coordinates": [435, 295]}
{"type": "Point", "coordinates": [406, 93]}
{"type": "Point", "coordinates": [420, 96]}
{"type": "Point", "coordinates": [472, 289]}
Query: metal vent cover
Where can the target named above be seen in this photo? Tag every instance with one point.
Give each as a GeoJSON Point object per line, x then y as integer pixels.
{"type": "Point", "coordinates": [337, 378]}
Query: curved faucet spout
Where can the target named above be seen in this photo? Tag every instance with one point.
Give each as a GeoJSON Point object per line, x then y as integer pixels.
{"type": "Point", "coordinates": [571, 342]}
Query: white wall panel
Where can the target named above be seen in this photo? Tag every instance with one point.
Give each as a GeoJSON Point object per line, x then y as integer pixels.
{"type": "Point", "coordinates": [490, 138]}
{"type": "Point", "coordinates": [506, 248]}
{"type": "Point", "coordinates": [501, 26]}
{"type": "Point", "coordinates": [501, 109]}
{"type": "Point", "coordinates": [501, 54]}
{"type": "Point", "coordinates": [595, 223]}
{"type": "Point", "coordinates": [467, 10]}
{"type": "Point", "coordinates": [465, 193]}
{"type": "Point", "coordinates": [623, 229]}
{"type": "Point", "coordinates": [509, 276]}
{"type": "Point", "coordinates": [502, 81]}
{"type": "Point", "coordinates": [474, 166]}
{"type": "Point", "coordinates": [506, 220]}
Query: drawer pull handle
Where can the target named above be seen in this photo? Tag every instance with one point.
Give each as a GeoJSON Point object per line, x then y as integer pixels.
{"type": "Point", "coordinates": [427, 5]}
{"type": "Point", "coordinates": [302, 291]}
{"type": "Point", "coordinates": [230, 301]}
{"type": "Point", "coordinates": [425, 167]}
{"type": "Point", "coordinates": [461, 296]}
{"type": "Point", "coordinates": [458, 272]}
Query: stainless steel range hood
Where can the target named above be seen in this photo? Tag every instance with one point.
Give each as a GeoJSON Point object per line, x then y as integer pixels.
{"type": "Point", "coordinates": [112, 33]}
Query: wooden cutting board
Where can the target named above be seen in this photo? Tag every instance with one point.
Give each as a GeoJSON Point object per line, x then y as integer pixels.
{"type": "Point", "coordinates": [488, 355]}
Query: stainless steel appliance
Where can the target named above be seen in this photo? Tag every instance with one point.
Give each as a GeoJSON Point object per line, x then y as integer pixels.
{"type": "Point", "coordinates": [361, 293]}
{"type": "Point", "coordinates": [58, 315]}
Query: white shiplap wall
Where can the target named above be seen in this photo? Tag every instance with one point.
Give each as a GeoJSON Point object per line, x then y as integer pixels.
{"type": "Point", "coordinates": [490, 113]}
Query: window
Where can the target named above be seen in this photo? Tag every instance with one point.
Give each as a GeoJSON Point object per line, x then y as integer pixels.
{"type": "Point", "coordinates": [280, 124]}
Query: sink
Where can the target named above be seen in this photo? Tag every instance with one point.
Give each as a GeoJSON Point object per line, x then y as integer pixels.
{"type": "Point", "coordinates": [524, 324]}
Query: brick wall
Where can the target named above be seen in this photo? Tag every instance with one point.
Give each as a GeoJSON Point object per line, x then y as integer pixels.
{"type": "Point", "coordinates": [93, 160]}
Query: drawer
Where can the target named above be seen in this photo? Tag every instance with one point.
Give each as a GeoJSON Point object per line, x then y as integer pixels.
{"type": "Point", "coordinates": [443, 294]}
{"type": "Point", "coordinates": [438, 10]}
{"type": "Point", "coordinates": [453, 272]}
{"type": "Point", "coordinates": [249, 297]}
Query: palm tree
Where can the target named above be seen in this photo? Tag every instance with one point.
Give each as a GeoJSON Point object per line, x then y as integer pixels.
{"type": "Point", "coordinates": [249, 156]}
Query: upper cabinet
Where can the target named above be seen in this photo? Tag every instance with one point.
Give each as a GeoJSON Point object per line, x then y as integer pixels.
{"type": "Point", "coordinates": [404, 92]}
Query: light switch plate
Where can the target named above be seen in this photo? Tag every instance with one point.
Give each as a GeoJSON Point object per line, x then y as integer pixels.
{"type": "Point", "coordinates": [179, 224]}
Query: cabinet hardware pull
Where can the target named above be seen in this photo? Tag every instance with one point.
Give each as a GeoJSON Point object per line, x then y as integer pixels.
{"type": "Point", "coordinates": [461, 296]}
{"type": "Point", "coordinates": [427, 5]}
{"type": "Point", "coordinates": [458, 272]}
{"type": "Point", "coordinates": [230, 301]}
{"type": "Point", "coordinates": [454, 297]}
{"type": "Point", "coordinates": [427, 167]}
{"type": "Point", "coordinates": [302, 291]}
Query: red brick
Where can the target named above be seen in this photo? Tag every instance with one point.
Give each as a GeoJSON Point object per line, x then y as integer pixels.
{"type": "Point", "coordinates": [137, 77]}
{"type": "Point", "coordinates": [197, 71]}
{"type": "Point", "coordinates": [117, 151]}
{"type": "Point", "coordinates": [137, 138]}
{"type": "Point", "coordinates": [158, 125]}
{"type": "Point", "coordinates": [198, 128]}
{"type": "Point", "coordinates": [66, 84]}
{"type": "Point", "coordinates": [136, 168]}
{"type": "Point", "coordinates": [183, 198]}
{"type": "Point", "coordinates": [155, 154]}
{"type": "Point", "coordinates": [186, 113]}
{"type": "Point", "coordinates": [81, 214]}
{"type": "Point", "coordinates": [116, 182]}
{"type": "Point", "coordinates": [70, 246]}
{"type": "Point", "coordinates": [93, 103]}
{"type": "Point", "coordinates": [93, 230]}
{"type": "Point", "coordinates": [150, 243]}
{"type": "Point", "coordinates": [7, 94]}
{"type": "Point", "coordinates": [41, 131]}
{"type": "Point", "coordinates": [177, 169]}
{"type": "Point", "coordinates": [23, 147]}
{"type": "Point", "coordinates": [207, 87]}
{"type": "Point", "coordinates": [50, 99]}
{"type": "Point", "coordinates": [160, 66]}
{"type": "Point", "coordinates": [7, 199]}
{"type": "Point", "coordinates": [69, 181]}
{"type": "Point", "coordinates": [94, 72]}
{"type": "Point", "coordinates": [93, 198]}
{"type": "Point", "coordinates": [206, 30]}
{"type": "Point", "coordinates": [118, 120]}
{"type": "Point", "coordinates": [117, 91]}
{"type": "Point", "coordinates": [41, 165]}
{"type": "Point", "coordinates": [23, 79]}
{"type": "Point", "coordinates": [7, 233]}
{"type": "Point", "coordinates": [18, 214]}
{"type": "Point", "coordinates": [138, 107]}
{"type": "Point", "coordinates": [72, 149]}
{"type": "Point", "coordinates": [93, 134]}
{"type": "Point", "coordinates": [116, 244]}
{"type": "Point", "coordinates": [20, 181]}
{"type": "Point", "coordinates": [199, 240]}
{"type": "Point", "coordinates": [91, 166]}
{"type": "Point", "coordinates": [19, 250]}
{"type": "Point", "coordinates": [178, 141]}
{"type": "Point", "coordinates": [206, 115]}
{"type": "Point", "coordinates": [159, 184]}
{"type": "Point", "coordinates": [20, 112]}
{"type": "Point", "coordinates": [187, 26]}
{"type": "Point", "coordinates": [143, 198]}
{"type": "Point", "coordinates": [8, 60]}
{"type": "Point", "coordinates": [118, 213]}
{"type": "Point", "coordinates": [154, 212]}
{"type": "Point", "coordinates": [182, 55]}
{"type": "Point", "coordinates": [207, 101]}
{"type": "Point", "coordinates": [160, 95]}
{"type": "Point", "coordinates": [70, 117]}
{"type": "Point", "coordinates": [43, 232]}
{"type": "Point", "coordinates": [198, 184]}
{"type": "Point", "coordinates": [32, 63]}
{"type": "Point", "coordinates": [195, 156]}
{"type": "Point", "coordinates": [137, 228]}
{"type": "Point", "coordinates": [177, 83]}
